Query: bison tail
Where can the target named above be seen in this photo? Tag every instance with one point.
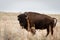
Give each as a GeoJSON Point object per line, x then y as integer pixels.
{"type": "Point", "coordinates": [55, 21]}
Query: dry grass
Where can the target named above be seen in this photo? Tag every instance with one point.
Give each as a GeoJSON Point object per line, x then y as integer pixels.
{"type": "Point", "coordinates": [11, 30]}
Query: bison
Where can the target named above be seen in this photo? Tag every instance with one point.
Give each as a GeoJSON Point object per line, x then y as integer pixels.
{"type": "Point", "coordinates": [28, 20]}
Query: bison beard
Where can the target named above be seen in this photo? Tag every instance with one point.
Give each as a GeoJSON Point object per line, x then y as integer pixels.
{"type": "Point", "coordinates": [32, 20]}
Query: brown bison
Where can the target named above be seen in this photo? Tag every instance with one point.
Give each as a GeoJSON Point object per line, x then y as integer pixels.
{"type": "Point", "coordinates": [28, 20]}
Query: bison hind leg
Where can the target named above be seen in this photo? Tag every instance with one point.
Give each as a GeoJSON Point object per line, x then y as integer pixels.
{"type": "Point", "coordinates": [52, 26]}
{"type": "Point", "coordinates": [47, 31]}
{"type": "Point", "coordinates": [51, 30]}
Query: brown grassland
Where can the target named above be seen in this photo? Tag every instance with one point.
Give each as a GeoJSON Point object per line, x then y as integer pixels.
{"type": "Point", "coordinates": [11, 30]}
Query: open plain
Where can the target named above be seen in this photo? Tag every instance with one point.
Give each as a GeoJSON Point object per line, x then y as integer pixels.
{"type": "Point", "coordinates": [11, 30]}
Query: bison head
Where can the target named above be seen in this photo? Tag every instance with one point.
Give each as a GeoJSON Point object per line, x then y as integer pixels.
{"type": "Point", "coordinates": [22, 20]}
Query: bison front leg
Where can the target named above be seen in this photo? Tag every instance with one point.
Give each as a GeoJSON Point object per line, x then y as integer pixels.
{"type": "Point", "coordinates": [28, 24]}
{"type": "Point", "coordinates": [28, 27]}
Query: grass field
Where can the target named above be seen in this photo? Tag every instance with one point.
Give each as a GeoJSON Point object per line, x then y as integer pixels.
{"type": "Point", "coordinates": [11, 30]}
